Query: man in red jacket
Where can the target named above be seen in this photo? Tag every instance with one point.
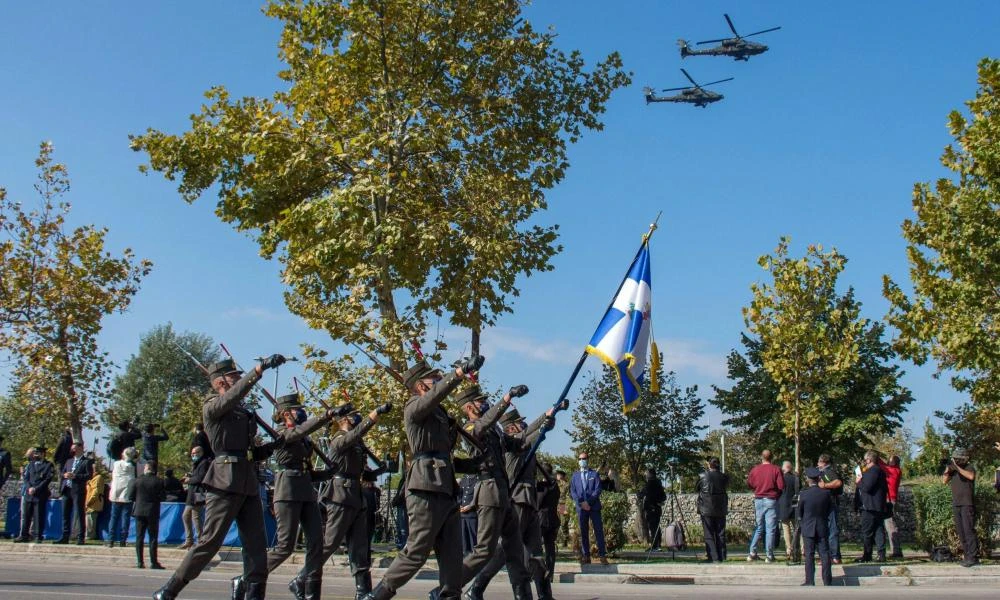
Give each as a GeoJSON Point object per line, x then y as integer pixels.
{"type": "Point", "coordinates": [766, 481]}
{"type": "Point", "coordinates": [892, 475]}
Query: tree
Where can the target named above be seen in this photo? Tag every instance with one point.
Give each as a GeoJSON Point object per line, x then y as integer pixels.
{"type": "Point", "coordinates": [932, 450]}
{"type": "Point", "coordinates": [976, 429]}
{"type": "Point", "coordinates": [953, 313]}
{"type": "Point", "coordinates": [742, 452]}
{"type": "Point", "coordinates": [161, 371]}
{"type": "Point", "coordinates": [56, 287]}
{"type": "Point", "coordinates": [663, 426]}
{"type": "Point", "coordinates": [809, 340]}
{"type": "Point", "coordinates": [897, 443]}
{"type": "Point", "coordinates": [397, 170]}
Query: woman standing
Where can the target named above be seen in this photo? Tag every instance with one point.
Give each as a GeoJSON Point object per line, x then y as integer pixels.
{"type": "Point", "coordinates": [122, 489]}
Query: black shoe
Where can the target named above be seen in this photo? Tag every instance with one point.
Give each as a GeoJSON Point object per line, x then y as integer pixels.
{"type": "Point", "coordinates": [969, 563]}
{"type": "Point", "coordinates": [379, 593]}
{"type": "Point", "coordinates": [255, 590]}
{"type": "Point", "coordinates": [110, 544]}
{"type": "Point", "coordinates": [544, 588]}
{"type": "Point", "coordinates": [155, 565]}
{"type": "Point", "coordinates": [475, 591]}
{"type": "Point", "coordinates": [313, 589]}
{"type": "Point", "coordinates": [362, 584]}
{"type": "Point", "coordinates": [81, 542]}
{"type": "Point", "coordinates": [434, 594]}
{"type": "Point", "coordinates": [881, 557]}
{"type": "Point", "coordinates": [21, 540]}
{"type": "Point", "coordinates": [170, 590]}
{"type": "Point", "coordinates": [121, 544]}
{"type": "Point", "coordinates": [64, 540]}
{"type": "Point", "coordinates": [807, 583]}
{"type": "Point", "coordinates": [297, 588]}
{"type": "Point", "coordinates": [863, 559]}
{"type": "Point", "coordinates": [237, 588]}
{"type": "Point", "coordinates": [140, 565]}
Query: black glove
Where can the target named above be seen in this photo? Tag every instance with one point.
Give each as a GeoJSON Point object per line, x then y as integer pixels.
{"type": "Point", "coordinates": [383, 409]}
{"type": "Point", "coordinates": [517, 391]}
{"type": "Point", "coordinates": [563, 405]}
{"type": "Point", "coordinates": [549, 423]}
{"type": "Point", "coordinates": [341, 411]}
{"type": "Point", "coordinates": [275, 360]}
{"type": "Point", "coordinates": [471, 364]}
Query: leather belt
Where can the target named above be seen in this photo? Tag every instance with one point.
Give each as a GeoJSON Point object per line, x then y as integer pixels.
{"type": "Point", "coordinates": [228, 459]}
{"type": "Point", "coordinates": [437, 455]}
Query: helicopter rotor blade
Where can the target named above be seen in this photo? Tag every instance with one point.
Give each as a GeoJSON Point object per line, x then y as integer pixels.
{"type": "Point", "coordinates": [730, 21]}
{"type": "Point", "coordinates": [762, 31]}
{"type": "Point", "coordinates": [715, 82]}
{"type": "Point", "coordinates": [693, 82]}
{"type": "Point", "coordinates": [711, 41]}
{"type": "Point", "coordinates": [675, 89]}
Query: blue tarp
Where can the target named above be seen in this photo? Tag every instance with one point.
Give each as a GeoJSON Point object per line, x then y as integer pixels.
{"type": "Point", "coordinates": [171, 525]}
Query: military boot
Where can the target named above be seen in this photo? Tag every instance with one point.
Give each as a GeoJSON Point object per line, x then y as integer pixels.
{"type": "Point", "coordinates": [379, 593]}
{"type": "Point", "coordinates": [297, 588]}
{"type": "Point", "coordinates": [169, 591]}
{"type": "Point", "coordinates": [362, 584]}
{"type": "Point", "coordinates": [523, 591]}
{"type": "Point", "coordinates": [238, 588]}
{"type": "Point", "coordinates": [475, 591]}
{"type": "Point", "coordinates": [255, 590]}
{"type": "Point", "coordinates": [544, 588]}
{"type": "Point", "coordinates": [434, 594]}
{"type": "Point", "coordinates": [312, 589]}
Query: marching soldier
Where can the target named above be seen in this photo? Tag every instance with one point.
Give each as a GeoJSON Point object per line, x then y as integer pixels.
{"type": "Point", "coordinates": [230, 482]}
{"type": "Point", "coordinates": [345, 514]}
{"type": "Point", "coordinates": [525, 505]}
{"type": "Point", "coordinates": [294, 495]}
{"type": "Point", "coordinates": [431, 488]}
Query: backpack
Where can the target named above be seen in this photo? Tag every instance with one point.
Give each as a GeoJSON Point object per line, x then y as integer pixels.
{"type": "Point", "coordinates": [115, 448]}
{"type": "Point", "coordinates": [941, 554]}
{"type": "Point", "coordinates": [673, 536]}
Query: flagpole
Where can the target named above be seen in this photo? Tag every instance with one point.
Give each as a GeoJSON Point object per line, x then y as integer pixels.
{"type": "Point", "coordinates": [562, 403]}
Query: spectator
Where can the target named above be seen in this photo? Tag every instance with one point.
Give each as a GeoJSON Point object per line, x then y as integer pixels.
{"type": "Point", "coordinates": [767, 482]}
{"type": "Point", "coordinates": [962, 478]}
{"type": "Point", "coordinates": [76, 472]}
{"type": "Point", "coordinates": [585, 488]}
{"type": "Point", "coordinates": [29, 457]}
{"type": "Point", "coordinates": [786, 509]}
{"type": "Point", "coordinates": [548, 516]}
{"type": "Point", "coordinates": [873, 491]}
{"type": "Point", "coordinates": [893, 475]}
{"type": "Point", "coordinates": [148, 495]}
{"type": "Point", "coordinates": [653, 497]}
{"type": "Point", "coordinates": [38, 474]}
{"type": "Point", "coordinates": [200, 440]}
{"type": "Point", "coordinates": [172, 487]}
{"type": "Point", "coordinates": [125, 438]}
{"type": "Point", "coordinates": [467, 508]}
{"type": "Point", "coordinates": [607, 483]}
{"type": "Point", "coordinates": [6, 467]}
{"type": "Point", "coordinates": [64, 450]}
{"type": "Point", "coordinates": [829, 479]}
{"type": "Point", "coordinates": [97, 493]}
{"type": "Point", "coordinates": [151, 445]}
{"type": "Point", "coordinates": [122, 495]}
{"type": "Point", "coordinates": [815, 505]}
{"type": "Point", "coordinates": [195, 500]}
{"type": "Point", "coordinates": [713, 506]}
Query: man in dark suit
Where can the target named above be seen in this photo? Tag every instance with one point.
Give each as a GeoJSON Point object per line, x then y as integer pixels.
{"type": "Point", "coordinates": [76, 472]}
{"type": "Point", "coordinates": [874, 490]}
{"type": "Point", "coordinates": [148, 495]}
{"type": "Point", "coordinates": [713, 506]}
{"type": "Point", "coordinates": [37, 476]}
{"type": "Point", "coordinates": [813, 511]}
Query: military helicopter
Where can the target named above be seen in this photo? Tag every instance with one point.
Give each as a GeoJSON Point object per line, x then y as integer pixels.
{"type": "Point", "coordinates": [692, 94]}
{"type": "Point", "coordinates": [737, 47]}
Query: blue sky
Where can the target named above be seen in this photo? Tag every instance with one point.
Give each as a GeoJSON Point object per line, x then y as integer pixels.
{"type": "Point", "coordinates": [822, 139]}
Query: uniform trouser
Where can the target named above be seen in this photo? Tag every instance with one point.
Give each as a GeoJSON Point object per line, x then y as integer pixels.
{"type": "Point", "coordinates": [470, 528]}
{"type": "Point", "coordinates": [434, 525]}
{"type": "Point", "coordinates": [965, 525]}
{"type": "Point", "coordinates": [549, 533]}
{"type": "Point", "coordinates": [653, 514]}
{"type": "Point", "coordinates": [351, 524]}
{"type": "Point", "coordinates": [221, 509]}
{"type": "Point", "coordinates": [37, 509]}
{"type": "Point", "coordinates": [75, 497]}
{"type": "Point", "coordinates": [892, 532]}
{"type": "Point", "coordinates": [527, 544]}
{"type": "Point", "coordinates": [823, 544]}
{"type": "Point", "coordinates": [495, 524]}
{"type": "Point", "coordinates": [142, 526]}
{"type": "Point", "coordinates": [192, 522]}
{"type": "Point", "coordinates": [715, 540]}
{"type": "Point", "coordinates": [871, 523]}
{"type": "Point", "coordinates": [289, 515]}
{"type": "Point", "coordinates": [585, 518]}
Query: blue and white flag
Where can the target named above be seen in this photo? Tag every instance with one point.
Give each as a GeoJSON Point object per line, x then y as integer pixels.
{"type": "Point", "coordinates": [622, 338]}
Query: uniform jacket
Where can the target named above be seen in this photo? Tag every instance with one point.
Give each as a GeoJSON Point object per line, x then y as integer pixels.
{"type": "Point", "coordinates": [874, 490]}
{"type": "Point", "coordinates": [585, 486]}
{"type": "Point", "coordinates": [786, 501]}
{"type": "Point", "coordinates": [494, 487]}
{"type": "Point", "coordinates": [814, 509]}
{"type": "Point", "coordinates": [96, 491]}
{"type": "Point", "coordinates": [349, 458]}
{"type": "Point", "coordinates": [122, 477]}
{"type": "Point", "coordinates": [468, 485]}
{"type": "Point", "coordinates": [38, 474]}
{"type": "Point", "coordinates": [80, 475]}
{"type": "Point", "coordinates": [148, 495]}
{"type": "Point", "coordinates": [231, 429]}
{"type": "Point", "coordinates": [431, 433]}
{"type": "Point", "coordinates": [523, 491]}
{"type": "Point", "coordinates": [713, 499]}
{"type": "Point", "coordinates": [292, 481]}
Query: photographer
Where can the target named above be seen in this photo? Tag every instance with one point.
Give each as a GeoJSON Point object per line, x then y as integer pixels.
{"type": "Point", "coordinates": [962, 478]}
{"type": "Point", "coordinates": [151, 445]}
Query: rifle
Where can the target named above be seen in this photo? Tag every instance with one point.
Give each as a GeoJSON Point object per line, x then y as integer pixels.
{"type": "Point", "coordinates": [371, 455]}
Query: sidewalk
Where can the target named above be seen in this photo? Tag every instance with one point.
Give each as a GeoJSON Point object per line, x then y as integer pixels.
{"type": "Point", "coordinates": [634, 571]}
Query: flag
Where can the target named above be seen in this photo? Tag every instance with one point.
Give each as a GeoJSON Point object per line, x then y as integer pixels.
{"type": "Point", "coordinates": [622, 339]}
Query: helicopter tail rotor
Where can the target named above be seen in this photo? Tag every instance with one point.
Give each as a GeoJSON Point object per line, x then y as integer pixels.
{"type": "Point", "coordinates": [685, 47]}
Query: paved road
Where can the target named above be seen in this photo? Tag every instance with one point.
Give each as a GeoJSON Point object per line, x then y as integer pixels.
{"type": "Point", "coordinates": [24, 580]}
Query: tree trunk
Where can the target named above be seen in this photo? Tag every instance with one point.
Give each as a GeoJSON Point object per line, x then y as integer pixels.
{"type": "Point", "coordinates": [797, 438]}
{"type": "Point", "coordinates": [68, 385]}
{"type": "Point", "coordinates": [475, 341]}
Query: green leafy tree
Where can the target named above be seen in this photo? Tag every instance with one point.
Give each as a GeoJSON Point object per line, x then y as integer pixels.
{"type": "Point", "coordinates": [975, 429]}
{"type": "Point", "coordinates": [809, 345]}
{"type": "Point", "coordinates": [742, 452]}
{"type": "Point", "coordinates": [932, 450]}
{"type": "Point", "coordinates": [896, 443]}
{"type": "Point", "coordinates": [953, 313]}
{"type": "Point", "coordinates": [56, 286]}
{"type": "Point", "coordinates": [663, 426]}
{"type": "Point", "coordinates": [397, 171]}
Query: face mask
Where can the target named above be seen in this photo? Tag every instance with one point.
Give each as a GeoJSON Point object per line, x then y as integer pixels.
{"type": "Point", "coordinates": [583, 463]}
{"type": "Point", "coordinates": [195, 458]}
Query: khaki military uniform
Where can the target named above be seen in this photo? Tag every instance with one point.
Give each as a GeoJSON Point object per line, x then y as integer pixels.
{"type": "Point", "coordinates": [431, 491]}
{"type": "Point", "coordinates": [295, 500]}
{"type": "Point", "coordinates": [231, 487]}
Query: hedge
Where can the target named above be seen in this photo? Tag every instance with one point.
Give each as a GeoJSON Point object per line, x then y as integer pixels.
{"type": "Point", "coordinates": [935, 521]}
